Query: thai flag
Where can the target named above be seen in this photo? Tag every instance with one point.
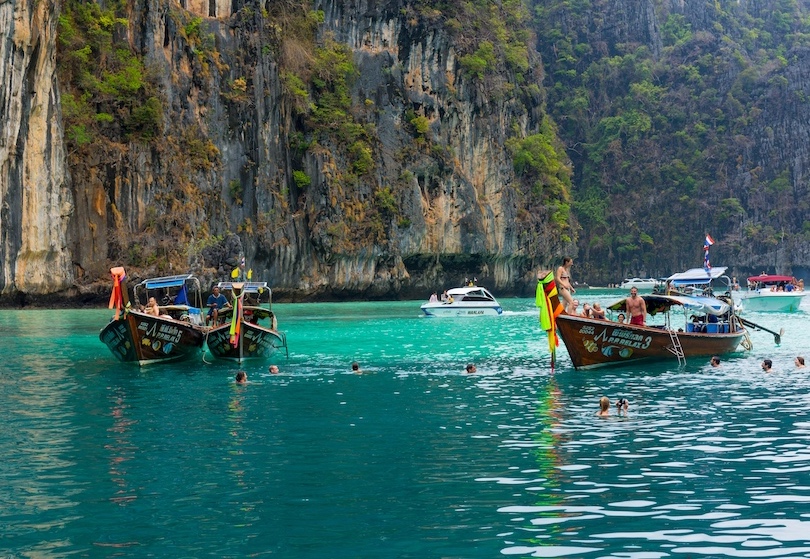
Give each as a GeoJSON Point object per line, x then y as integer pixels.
{"type": "Point", "coordinates": [706, 244]}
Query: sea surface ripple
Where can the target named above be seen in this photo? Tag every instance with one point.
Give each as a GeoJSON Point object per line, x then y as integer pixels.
{"type": "Point", "coordinates": [413, 458]}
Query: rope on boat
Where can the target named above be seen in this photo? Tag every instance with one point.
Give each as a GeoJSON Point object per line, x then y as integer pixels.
{"type": "Point", "coordinates": [205, 346]}
{"type": "Point", "coordinates": [746, 342]}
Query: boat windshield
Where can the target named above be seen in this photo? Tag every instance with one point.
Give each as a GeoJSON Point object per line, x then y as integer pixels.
{"type": "Point", "coordinates": [478, 295]}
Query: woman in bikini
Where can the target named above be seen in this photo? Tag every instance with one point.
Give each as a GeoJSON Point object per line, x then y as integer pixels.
{"type": "Point", "coordinates": [564, 286]}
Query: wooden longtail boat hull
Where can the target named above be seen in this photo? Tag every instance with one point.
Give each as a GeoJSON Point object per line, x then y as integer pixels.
{"type": "Point", "coordinates": [598, 343]}
{"type": "Point", "coordinates": [255, 342]}
{"type": "Point", "coordinates": [144, 339]}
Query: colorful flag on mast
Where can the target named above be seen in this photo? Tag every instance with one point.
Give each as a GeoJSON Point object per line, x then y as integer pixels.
{"type": "Point", "coordinates": [548, 302]}
{"type": "Point", "coordinates": [706, 244]}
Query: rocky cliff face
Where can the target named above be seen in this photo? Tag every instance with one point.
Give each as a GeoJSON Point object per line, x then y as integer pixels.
{"type": "Point", "coordinates": [412, 188]}
{"type": "Point", "coordinates": [368, 149]}
{"type": "Point", "coordinates": [34, 185]}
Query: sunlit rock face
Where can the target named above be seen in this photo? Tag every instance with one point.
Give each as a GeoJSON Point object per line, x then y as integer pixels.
{"type": "Point", "coordinates": [36, 198]}
{"type": "Point", "coordinates": [456, 206]}
{"type": "Point", "coordinates": [207, 8]}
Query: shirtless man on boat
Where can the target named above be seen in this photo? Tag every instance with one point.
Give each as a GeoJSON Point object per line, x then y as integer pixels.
{"type": "Point", "coordinates": [636, 307]}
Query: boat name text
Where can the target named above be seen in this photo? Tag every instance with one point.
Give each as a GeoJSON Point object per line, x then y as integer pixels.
{"type": "Point", "coordinates": [619, 336]}
{"type": "Point", "coordinates": [164, 332]}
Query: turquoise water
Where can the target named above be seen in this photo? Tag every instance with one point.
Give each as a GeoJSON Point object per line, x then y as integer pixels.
{"type": "Point", "coordinates": [413, 459]}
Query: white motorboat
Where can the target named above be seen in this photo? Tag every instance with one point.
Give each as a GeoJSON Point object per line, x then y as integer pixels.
{"type": "Point", "coordinates": [642, 284]}
{"type": "Point", "coordinates": [770, 293]}
{"type": "Point", "coordinates": [464, 301]}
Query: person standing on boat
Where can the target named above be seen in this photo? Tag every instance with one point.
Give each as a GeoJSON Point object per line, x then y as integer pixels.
{"type": "Point", "coordinates": [636, 307]}
{"type": "Point", "coordinates": [433, 298]}
{"type": "Point", "coordinates": [564, 287]}
{"type": "Point", "coordinates": [216, 301]}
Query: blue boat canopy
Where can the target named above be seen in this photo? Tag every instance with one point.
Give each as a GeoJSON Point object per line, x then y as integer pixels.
{"type": "Point", "coordinates": [167, 281]}
{"type": "Point", "coordinates": [696, 276]}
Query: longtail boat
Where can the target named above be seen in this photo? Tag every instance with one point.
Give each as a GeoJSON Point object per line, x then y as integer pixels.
{"type": "Point", "coordinates": [177, 330]}
{"type": "Point", "coordinates": [249, 329]}
{"type": "Point", "coordinates": [709, 327]}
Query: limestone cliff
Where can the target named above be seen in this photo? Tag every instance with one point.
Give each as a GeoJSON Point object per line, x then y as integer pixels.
{"type": "Point", "coordinates": [384, 149]}
{"type": "Point", "coordinates": [34, 186]}
{"type": "Point", "coordinates": [342, 144]}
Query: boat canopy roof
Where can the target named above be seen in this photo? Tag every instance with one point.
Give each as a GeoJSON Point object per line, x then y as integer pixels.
{"type": "Point", "coordinates": [167, 281]}
{"type": "Point", "coordinates": [767, 278]}
{"type": "Point", "coordinates": [697, 276]}
{"type": "Point", "coordinates": [663, 303]}
{"type": "Point", "coordinates": [247, 286]}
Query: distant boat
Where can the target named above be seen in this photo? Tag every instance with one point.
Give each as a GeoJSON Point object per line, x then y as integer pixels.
{"type": "Point", "coordinates": [642, 284]}
{"type": "Point", "coordinates": [697, 281]}
{"type": "Point", "coordinates": [135, 336]}
{"type": "Point", "coordinates": [770, 293]}
{"type": "Point", "coordinates": [249, 329]}
{"type": "Point", "coordinates": [464, 301]}
{"type": "Point", "coordinates": [715, 330]}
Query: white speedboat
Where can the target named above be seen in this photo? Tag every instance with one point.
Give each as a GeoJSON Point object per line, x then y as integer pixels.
{"type": "Point", "coordinates": [770, 293]}
{"type": "Point", "coordinates": [642, 284]}
{"type": "Point", "coordinates": [465, 301]}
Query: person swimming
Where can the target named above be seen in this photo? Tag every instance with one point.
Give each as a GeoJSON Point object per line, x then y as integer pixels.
{"type": "Point", "coordinates": [604, 407]}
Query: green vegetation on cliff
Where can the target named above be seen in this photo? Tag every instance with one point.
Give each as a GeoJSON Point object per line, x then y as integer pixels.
{"type": "Point", "coordinates": [662, 129]}
{"type": "Point", "coordinates": [107, 90]}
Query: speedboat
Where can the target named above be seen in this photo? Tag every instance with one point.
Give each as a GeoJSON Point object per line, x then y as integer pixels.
{"type": "Point", "coordinates": [642, 284]}
{"type": "Point", "coordinates": [770, 293]}
{"type": "Point", "coordinates": [464, 301]}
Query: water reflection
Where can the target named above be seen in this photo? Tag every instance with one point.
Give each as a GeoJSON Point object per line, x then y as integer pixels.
{"type": "Point", "coordinates": [120, 447]}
